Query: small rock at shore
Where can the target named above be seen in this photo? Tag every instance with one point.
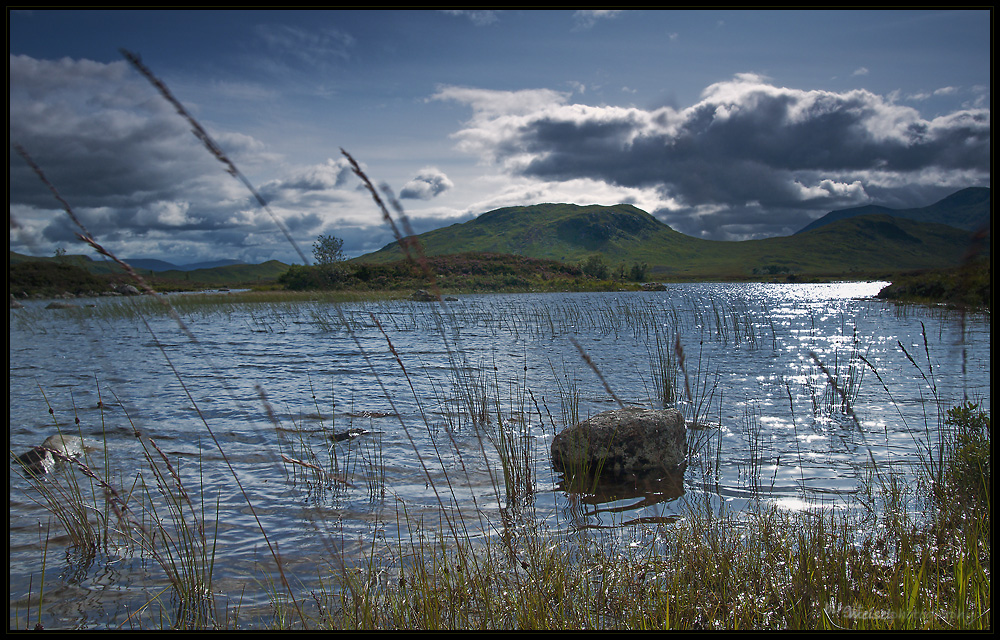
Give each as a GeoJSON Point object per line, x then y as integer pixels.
{"type": "Point", "coordinates": [422, 295]}
{"type": "Point", "coordinates": [41, 460]}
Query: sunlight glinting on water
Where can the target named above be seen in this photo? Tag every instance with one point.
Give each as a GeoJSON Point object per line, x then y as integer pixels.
{"type": "Point", "coordinates": [435, 392]}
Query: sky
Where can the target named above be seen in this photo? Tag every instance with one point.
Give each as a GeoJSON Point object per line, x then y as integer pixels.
{"type": "Point", "coordinates": [725, 125]}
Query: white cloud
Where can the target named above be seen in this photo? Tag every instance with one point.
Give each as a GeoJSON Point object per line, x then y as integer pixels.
{"type": "Point", "coordinates": [587, 18]}
{"type": "Point", "coordinates": [746, 140]}
{"type": "Point", "coordinates": [490, 103]}
{"type": "Point", "coordinates": [478, 17]}
{"type": "Point", "coordinates": [427, 184]}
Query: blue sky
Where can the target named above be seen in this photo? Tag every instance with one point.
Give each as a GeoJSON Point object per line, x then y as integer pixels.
{"type": "Point", "coordinates": [726, 125]}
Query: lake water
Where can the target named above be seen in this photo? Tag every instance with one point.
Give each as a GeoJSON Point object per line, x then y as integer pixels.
{"type": "Point", "coordinates": [257, 390]}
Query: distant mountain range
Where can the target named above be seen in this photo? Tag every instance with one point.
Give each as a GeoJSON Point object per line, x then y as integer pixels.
{"type": "Point", "coordinates": [850, 242]}
{"type": "Point", "coordinates": [152, 264]}
{"type": "Point", "coordinates": [218, 272]}
{"type": "Point", "coordinates": [853, 241]}
{"type": "Point", "coordinates": [967, 209]}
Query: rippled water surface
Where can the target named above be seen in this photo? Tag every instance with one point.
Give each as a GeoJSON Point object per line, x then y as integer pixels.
{"type": "Point", "coordinates": [258, 391]}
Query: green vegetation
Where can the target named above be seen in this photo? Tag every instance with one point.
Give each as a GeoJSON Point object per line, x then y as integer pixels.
{"type": "Point", "coordinates": [328, 253]}
{"type": "Point", "coordinates": [52, 279]}
{"type": "Point", "coordinates": [857, 247]}
{"type": "Point", "coordinates": [966, 480]}
{"type": "Point", "coordinates": [459, 273]}
{"type": "Point", "coordinates": [969, 285]}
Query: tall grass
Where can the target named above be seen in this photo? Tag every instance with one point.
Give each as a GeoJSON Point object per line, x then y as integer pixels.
{"type": "Point", "coordinates": [707, 568]}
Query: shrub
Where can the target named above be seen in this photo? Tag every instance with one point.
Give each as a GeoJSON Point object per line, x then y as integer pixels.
{"type": "Point", "coordinates": [595, 267]}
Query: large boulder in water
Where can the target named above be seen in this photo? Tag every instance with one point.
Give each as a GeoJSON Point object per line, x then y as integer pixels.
{"type": "Point", "coordinates": [624, 441]}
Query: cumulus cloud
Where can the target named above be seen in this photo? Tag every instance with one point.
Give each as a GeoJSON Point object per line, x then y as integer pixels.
{"type": "Point", "coordinates": [587, 18]}
{"type": "Point", "coordinates": [137, 178]}
{"type": "Point", "coordinates": [326, 181]}
{"type": "Point", "coordinates": [430, 182]}
{"type": "Point", "coordinates": [478, 17]}
{"type": "Point", "coordinates": [745, 141]}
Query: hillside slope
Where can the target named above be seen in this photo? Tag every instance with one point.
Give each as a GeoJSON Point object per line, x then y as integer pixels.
{"type": "Point", "coordinates": [563, 232]}
{"type": "Point", "coordinates": [624, 233]}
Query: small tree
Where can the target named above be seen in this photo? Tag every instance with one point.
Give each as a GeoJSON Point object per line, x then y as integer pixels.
{"type": "Point", "coordinates": [638, 272]}
{"type": "Point", "coordinates": [595, 267]}
{"type": "Point", "coordinates": [328, 252]}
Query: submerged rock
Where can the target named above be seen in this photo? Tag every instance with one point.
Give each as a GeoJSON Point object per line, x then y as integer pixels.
{"type": "Point", "coordinates": [125, 289]}
{"type": "Point", "coordinates": [624, 441]}
{"type": "Point", "coordinates": [348, 435]}
{"type": "Point", "coordinates": [422, 295]}
{"type": "Point", "coordinates": [43, 459]}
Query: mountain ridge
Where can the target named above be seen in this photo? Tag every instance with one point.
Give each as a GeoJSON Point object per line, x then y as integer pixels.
{"type": "Point", "coordinates": [967, 209]}
{"type": "Point", "coordinates": [624, 233]}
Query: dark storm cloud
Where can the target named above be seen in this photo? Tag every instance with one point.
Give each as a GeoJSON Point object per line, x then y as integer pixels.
{"type": "Point", "coordinates": [133, 172]}
{"type": "Point", "coordinates": [752, 148]}
{"type": "Point", "coordinates": [101, 138]}
{"type": "Point", "coordinates": [746, 147]}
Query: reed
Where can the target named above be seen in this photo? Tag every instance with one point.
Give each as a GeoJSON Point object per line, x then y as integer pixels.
{"type": "Point", "coordinates": [710, 567]}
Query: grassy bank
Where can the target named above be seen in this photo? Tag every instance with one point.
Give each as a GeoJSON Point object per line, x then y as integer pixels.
{"type": "Point", "coordinates": [968, 286]}
{"type": "Point", "coordinates": [456, 273]}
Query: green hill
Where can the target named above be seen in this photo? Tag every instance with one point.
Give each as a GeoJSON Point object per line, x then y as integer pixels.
{"type": "Point", "coordinates": [563, 232]}
{"type": "Point", "coordinates": [623, 233]}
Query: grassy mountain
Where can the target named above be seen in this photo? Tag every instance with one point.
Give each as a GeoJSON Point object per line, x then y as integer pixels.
{"type": "Point", "coordinates": [967, 209]}
{"type": "Point", "coordinates": [563, 232]}
{"type": "Point", "coordinates": [857, 245]}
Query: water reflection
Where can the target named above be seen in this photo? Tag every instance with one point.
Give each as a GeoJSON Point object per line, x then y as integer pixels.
{"type": "Point", "coordinates": [613, 494]}
{"type": "Point", "coordinates": [734, 358]}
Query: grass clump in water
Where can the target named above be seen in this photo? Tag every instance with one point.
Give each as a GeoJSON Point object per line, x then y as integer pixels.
{"type": "Point", "coordinates": [712, 569]}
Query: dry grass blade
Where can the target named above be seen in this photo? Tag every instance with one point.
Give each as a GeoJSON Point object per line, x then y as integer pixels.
{"type": "Point", "coordinates": [319, 470]}
{"type": "Point", "coordinates": [593, 367]}
{"type": "Point", "coordinates": [407, 243]}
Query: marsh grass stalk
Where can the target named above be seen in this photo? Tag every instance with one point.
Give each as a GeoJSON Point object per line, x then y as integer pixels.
{"type": "Point", "coordinates": [593, 367]}
{"type": "Point", "coordinates": [710, 569]}
{"type": "Point", "coordinates": [85, 237]}
{"type": "Point", "coordinates": [663, 370]}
